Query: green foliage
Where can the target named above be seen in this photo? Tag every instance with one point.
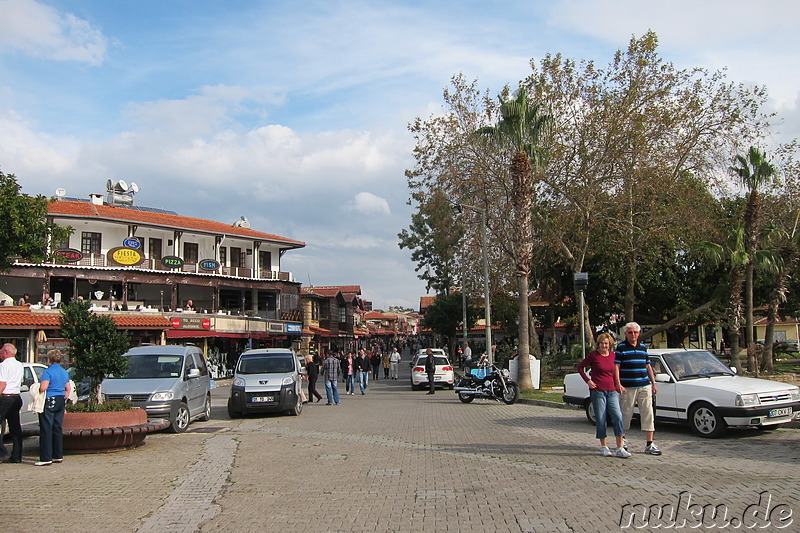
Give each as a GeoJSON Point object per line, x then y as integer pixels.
{"type": "Point", "coordinates": [96, 345]}
{"type": "Point", "coordinates": [24, 228]}
{"type": "Point", "coordinates": [445, 315]}
{"type": "Point", "coordinates": [105, 407]}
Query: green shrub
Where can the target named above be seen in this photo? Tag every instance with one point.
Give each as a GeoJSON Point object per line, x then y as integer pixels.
{"type": "Point", "coordinates": [105, 407]}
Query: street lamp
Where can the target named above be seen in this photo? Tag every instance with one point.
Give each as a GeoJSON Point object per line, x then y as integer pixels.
{"type": "Point", "coordinates": [458, 209]}
{"type": "Point", "coordinates": [581, 281]}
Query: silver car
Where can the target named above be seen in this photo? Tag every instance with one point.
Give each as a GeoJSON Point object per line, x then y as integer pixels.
{"type": "Point", "coordinates": [266, 380]}
{"type": "Point", "coordinates": [169, 382]}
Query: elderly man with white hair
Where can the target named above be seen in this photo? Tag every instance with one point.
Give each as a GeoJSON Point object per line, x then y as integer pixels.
{"type": "Point", "coordinates": [11, 372]}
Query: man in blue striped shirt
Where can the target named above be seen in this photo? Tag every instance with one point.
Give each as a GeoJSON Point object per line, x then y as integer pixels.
{"type": "Point", "coordinates": [638, 384]}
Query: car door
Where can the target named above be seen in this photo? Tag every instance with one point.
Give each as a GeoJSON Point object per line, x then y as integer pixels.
{"type": "Point", "coordinates": [665, 400]}
{"type": "Point", "coordinates": [194, 393]}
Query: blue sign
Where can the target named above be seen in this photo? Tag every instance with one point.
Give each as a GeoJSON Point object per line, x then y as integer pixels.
{"type": "Point", "coordinates": [294, 328]}
{"type": "Point", "coordinates": [132, 242]}
{"type": "Point", "coordinates": [209, 264]}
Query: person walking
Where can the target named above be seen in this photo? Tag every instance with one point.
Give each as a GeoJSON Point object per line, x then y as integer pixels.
{"type": "Point", "coordinates": [386, 362]}
{"type": "Point", "coordinates": [375, 360]}
{"type": "Point", "coordinates": [430, 369]}
{"type": "Point", "coordinates": [56, 387]}
{"type": "Point", "coordinates": [331, 369]}
{"type": "Point", "coordinates": [312, 372]}
{"type": "Point", "coordinates": [363, 368]}
{"type": "Point", "coordinates": [604, 387]}
{"type": "Point", "coordinates": [394, 363]}
{"type": "Point", "coordinates": [638, 385]}
{"type": "Point", "coordinates": [11, 373]}
{"type": "Point", "coordinates": [349, 367]}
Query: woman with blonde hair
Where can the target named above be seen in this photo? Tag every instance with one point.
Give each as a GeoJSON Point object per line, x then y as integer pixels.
{"type": "Point", "coordinates": [604, 391]}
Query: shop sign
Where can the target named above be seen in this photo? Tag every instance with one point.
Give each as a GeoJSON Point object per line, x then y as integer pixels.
{"type": "Point", "coordinates": [125, 256]}
{"type": "Point", "coordinates": [208, 264]}
{"type": "Point", "coordinates": [275, 327]}
{"type": "Point", "coordinates": [172, 261]}
{"type": "Point", "coordinates": [69, 255]}
{"type": "Point", "coordinates": [294, 328]}
{"type": "Point", "coordinates": [132, 242]}
{"type": "Point", "coordinates": [191, 323]}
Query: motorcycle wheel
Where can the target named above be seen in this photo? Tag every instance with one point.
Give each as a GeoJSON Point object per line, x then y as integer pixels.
{"type": "Point", "coordinates": [512, 393]}
{"type": "Point", "coordinates": [465, 398]}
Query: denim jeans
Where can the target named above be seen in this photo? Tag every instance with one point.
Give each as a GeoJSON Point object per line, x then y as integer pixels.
{"type": "Point", "coordinates": [606, 405]}
{"type": "Point", "coordinates": [349, 383]}
{"type": "Point", "coordinates": [51, 440]}
{"type": "Point", "coordinates": [363, 380]}
{"type": "Point", "coordinates": [332, 391]}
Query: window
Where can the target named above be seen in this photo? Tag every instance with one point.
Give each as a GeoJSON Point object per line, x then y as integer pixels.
{"type": "Point", "coordinates": [342, 314]}
{"type": "Point", "coordinates": [223, 256]}
{"type": "Point", "coordinates": [236, 257]}
{"type": "Point", "coordinates": [265, 260]}
{"type": "Point", "coordinates": [91, 242]}
{"type": "Point", "coordinates": [155, 248]}
{"type": "Point", "coordinates": [190, 252]}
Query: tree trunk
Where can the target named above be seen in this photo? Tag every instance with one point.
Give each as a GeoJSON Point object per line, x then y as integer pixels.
{"type": "Point", "coordinates": [536, 348]}
{"type": "Point", "coordinates": [523, 359]}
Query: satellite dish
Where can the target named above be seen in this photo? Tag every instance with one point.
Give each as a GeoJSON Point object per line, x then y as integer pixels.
{"type": "Point", "coordinates": [123, 184]}
{"type": "Point", "coordinates": [242, 222]}
{"type": "Point", "coordinates": [61, 192]}
{"type": "Point", "coordinates": [134, 187]}
{"type": "Point", "coordinates": [109, 185]}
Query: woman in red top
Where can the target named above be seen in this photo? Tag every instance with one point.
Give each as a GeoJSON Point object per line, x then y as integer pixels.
{"type": "Point", "coordinates": [604, 387]}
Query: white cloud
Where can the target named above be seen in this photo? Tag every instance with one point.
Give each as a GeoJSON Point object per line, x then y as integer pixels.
{"type": "Point", "coordinates": [367, 203]}
{"type": "Point", "coordinates": [42, 31]}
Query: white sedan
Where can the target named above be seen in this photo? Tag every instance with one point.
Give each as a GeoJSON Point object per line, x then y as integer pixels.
{"type": "Point", "coordinates": [31, 374]}
{"type": "Point", "coordinates": [696, 387]}
{"type": "Point", "coordinates": [444, 370]}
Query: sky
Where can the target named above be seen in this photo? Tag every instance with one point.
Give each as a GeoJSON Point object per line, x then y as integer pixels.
{"type": "Point", "coordinates": [295, 114]}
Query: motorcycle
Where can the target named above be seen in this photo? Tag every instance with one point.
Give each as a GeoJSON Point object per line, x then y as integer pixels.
{"type": "Point", "coordinates": [496, 385]}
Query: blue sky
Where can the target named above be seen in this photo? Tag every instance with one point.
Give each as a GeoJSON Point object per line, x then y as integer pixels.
{"type": "Point", "coordinates": [295, 114]}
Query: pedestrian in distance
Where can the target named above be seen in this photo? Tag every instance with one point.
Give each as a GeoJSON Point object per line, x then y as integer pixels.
{"type": "Point", "coordinates": [312, 371]}
{"type": "Point", "coordinates": [375, 360]}
{"type": "Point", "coordinates": [56, 387]}
{"type": "Point", "coordinates": [349, 366]}
{"type": "Point", "coordinates": [11, 372]}
{"type": "Point", "coordinates": [331, 369]}
{"type": "Point", "coordinates": [363, 368]}
{"type": "Point", "coordinates": [466, 355]}
{"type": "Point", "coordinates": [387, 363]}
{"type": "Point", "coordinates": [638, 385]}
{"type": "Point", "coordinates": [604, 388]}
{"type": "Point", "coordinates": [430, 369]}
{"type": "Point", "coordinates": [394, 363]}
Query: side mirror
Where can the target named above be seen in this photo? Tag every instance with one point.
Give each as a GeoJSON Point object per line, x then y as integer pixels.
{"type": "Point", "coordinates": [193, 373]}
{"type": "Point", "coordinates": [735, 370]}
{"type": "Point", "coordinates": [663, 378]}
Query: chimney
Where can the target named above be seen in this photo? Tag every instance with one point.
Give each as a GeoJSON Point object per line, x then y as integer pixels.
{"type": "Point", "coordinates": [96, 199]}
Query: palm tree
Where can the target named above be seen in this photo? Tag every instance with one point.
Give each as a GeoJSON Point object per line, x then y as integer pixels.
{"type": "Point", "coordinates": [753, 171]}
{"type": "Point", "coordinates": [520, 130]}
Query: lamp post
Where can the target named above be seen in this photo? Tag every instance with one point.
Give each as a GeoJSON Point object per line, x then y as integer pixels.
{"type": "Point", "coordinates": [581, 281]}
{"type": "Point", "coordinates": [457, 208]}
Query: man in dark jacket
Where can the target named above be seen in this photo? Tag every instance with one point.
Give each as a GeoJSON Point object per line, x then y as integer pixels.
{"type": "Point", "coordinates": [430, 369]}
{"type": "Point", "coordinates": [363, 367]}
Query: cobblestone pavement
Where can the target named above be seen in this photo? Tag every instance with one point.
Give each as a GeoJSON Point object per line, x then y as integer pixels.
{"type": "Point", "coordinates": [397, 460]}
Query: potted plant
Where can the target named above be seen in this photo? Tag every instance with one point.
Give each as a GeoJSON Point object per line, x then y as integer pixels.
{"type": "Point", "coordinates": [96, 347]}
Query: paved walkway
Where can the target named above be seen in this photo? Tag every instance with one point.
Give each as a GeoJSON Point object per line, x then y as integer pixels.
{"type": "Point", "coordinates": [396, 460]}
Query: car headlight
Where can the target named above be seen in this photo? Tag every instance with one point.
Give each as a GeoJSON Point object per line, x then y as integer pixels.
{"type": "Point", "coordinates": [288, 380]}
{"type": "Point", "coordinates": [747, 400]}
{"type": "Point", "coordinates": [238, 382]}
{"type": "Point", "coordinates": [795, 394]}
{"type": "Point", "coordinates": [162, 396]}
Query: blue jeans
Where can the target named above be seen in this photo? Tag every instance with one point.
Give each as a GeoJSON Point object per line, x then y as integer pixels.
{"type": "Point", "coordinates": [349, 383]}
{"type": "Point", "coordinates": [332, 391]}
{"type": "Point", "coordinates": [363, 380]}
{"type": "Point", "coordinates": [51, 439]}
{"type": "Point", "coordinates": [606, 405]}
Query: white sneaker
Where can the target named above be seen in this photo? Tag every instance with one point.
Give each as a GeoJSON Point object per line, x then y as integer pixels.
{"type": "Point", "coordinates": [652, 449]}
{"type": "Point", "coordinates": [623, 453]}
{"type": "Point", "coordinates": [605, 451]}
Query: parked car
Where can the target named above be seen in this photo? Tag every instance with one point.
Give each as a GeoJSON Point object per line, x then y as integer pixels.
{"type": "Point", "coordinates": [31, 374]}
{"type": "Point", "coordinates": [166, 381]}
{"type": "Point", "coordinates": [444, 370]}
{"type": "Point", "coordinates": [266, 380]}
{"type": "Point", "coordinates": [695, 387]}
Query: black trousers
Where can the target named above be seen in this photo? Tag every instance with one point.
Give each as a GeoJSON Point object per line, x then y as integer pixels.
{"type": "Point", "coordinates": [312, 389]}
{"type": "Point", "coordinates": [9, 411]}
{"type": "Point", "coordinates": [432, 381]}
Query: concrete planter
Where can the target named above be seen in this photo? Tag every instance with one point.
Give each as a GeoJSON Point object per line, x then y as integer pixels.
{"type": "Point", "coordinates": [110, 431]}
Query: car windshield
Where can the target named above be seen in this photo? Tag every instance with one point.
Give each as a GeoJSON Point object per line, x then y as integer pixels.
{"type": "Point", "coordinates": [439, 360]}
{"type": "Point", "coordinates": [147, 366]}
{"type": "Point", "coordinates": [266, 364]}
{"type": "Point", "coordinates": [695, 365]}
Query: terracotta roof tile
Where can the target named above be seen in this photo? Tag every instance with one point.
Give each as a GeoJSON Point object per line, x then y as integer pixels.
{"type": "Point", "coordinates": [50, 320]}
{"type": "Point", "coordinates": [82, 210]}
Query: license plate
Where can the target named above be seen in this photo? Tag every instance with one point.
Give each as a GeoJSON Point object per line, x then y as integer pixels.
{"type": "Point", "coordinates": [260, 399]}
{"type": "Point", "coordinates": [783, 411]}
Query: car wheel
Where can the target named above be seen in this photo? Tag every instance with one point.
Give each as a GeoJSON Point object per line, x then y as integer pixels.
{"type": "Point", "coordinates": [706, 421]}
{"type": "Point", "coordinates": [512, 393]}
{"type": "Point", "coordinates": [232, 412]}
{"type": "Point", "coordinates": [589, 408]}
{"type": "Point", "coordinates": [465, 398]}
{"type": "Point", "coordinates": [297, 409]}
{"type": "Point", "coordinates": [181, 420]}
{"type": "Point", "coordinates": [206, 416]}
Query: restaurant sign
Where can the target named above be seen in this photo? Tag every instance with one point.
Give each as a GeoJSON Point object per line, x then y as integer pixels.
{"type": "Point", "coordinates": [125, 256]}
{"type": "Point", "coordinates": [208, 264]}
{"type": "Point", "coordinates": [294, 328]}
{"type": "Point", "coordinates": [69, 255]}
{"type": "Point", "coordinates": [191, 323]}
{"type": "Point", "coordinates": [172, 261]}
